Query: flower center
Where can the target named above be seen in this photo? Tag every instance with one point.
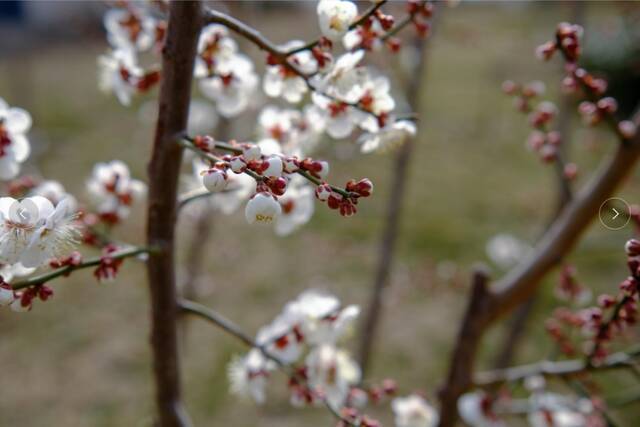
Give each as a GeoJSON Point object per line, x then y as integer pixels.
{"type": "Point", "coordinates": [264, 218]}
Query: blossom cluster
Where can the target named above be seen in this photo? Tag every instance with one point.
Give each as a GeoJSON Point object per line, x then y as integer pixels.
{"type": "Point", "coordinates": [598, 108]}
{"type": "Point", "coordinates": [131, 29]}
{"type": "Point", "coordinates": [543, 408]}
{"type": "Point", "coordinates": [304, 341]}
{"type": "Point", "coordinates": [312, 324]}
{"type": "Point", "coordinates": [41, 224]}
{"type": "Point", "coordinates": [112, 191]}
{"type": "Point", "coordinates": [282, 196]}
{"type": "Point", "coordinates": [345, 95]}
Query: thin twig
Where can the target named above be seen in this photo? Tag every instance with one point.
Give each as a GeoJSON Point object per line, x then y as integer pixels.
{"type": "Point", "coordinates": [621, 360]}
{"type": "Point", "coordinates": [68, 269]}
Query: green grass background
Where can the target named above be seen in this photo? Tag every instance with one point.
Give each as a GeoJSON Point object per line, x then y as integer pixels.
{"type": "Point", "coordinates": [83, 358]}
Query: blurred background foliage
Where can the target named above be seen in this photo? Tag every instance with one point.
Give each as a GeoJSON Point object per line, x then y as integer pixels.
{"type": "Point", "coordinates": [83, 359]}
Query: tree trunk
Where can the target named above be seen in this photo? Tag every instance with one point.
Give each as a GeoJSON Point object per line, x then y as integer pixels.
{"type": "Point", "coordinates": [178, 57]}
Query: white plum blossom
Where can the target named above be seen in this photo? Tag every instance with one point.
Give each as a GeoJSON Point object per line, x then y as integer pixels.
{"type": "Point", "coordinates": [215, 180]}
{"type": "Point", "coordinates": [248, 375]}
{"type": "Point", "coordinates": [413, 411]}
{"type": "Point", "coordinates": [9, 271]}
{"type": "Point", "coordinates": [56, 235]}
{"type": "Point", "coordinates": [55, 192]}
{"type": "Point", "coordinates": [238, 189]}
{"type": "Point", "coordinates": [119, 73]}
{"type": "Point", "coordinates": [556, 410]}
{"type": "Point", "coordinates": [340, 118]}
{"type": "Point", "coordinates": [282, 338]}
{"type": "Point", "coordinates": [14, 145]}
{"type": "Point", "coordinates": [296, 131]}
{"type": "Point", "coordinates": [32, 230]}
{"type": "Point", "coordinates": [281, 81]}
{"type": "Point", "coordinates": [132, 29]}
{"type": "Point", "coordinates": [274, 166]}
{"type": "Point", "coordinates": [475, 413]}
{"type": "Point", "coordinates": [262, 208]}
{"type": "Point", "coordinates": [322, 319]}
{"type": "Point", "coordinates": [392, 134]}
{"type": "Point", "coordinates": [215, 47]}
{"type": "Point", "coordinates": [353, 39]}
{"type": "Point", "coordinates": [232, 86]}
{"type": "Point", "coordinates": [344, 79]}
{"type": "Point", "coordinates": [332, 372]}
{"type": "Point", "coordinates": [269, 147]}
{"type": "Point", "coordinates": [297, 208]}
{"type": "Point", "coordinates": [251, 152]}
{"type": "Point", "coordinates": [376, 100]}
{"type": "Point", "coordinates": [314, 304]}
{"type": "Point", "coordinates": [113, 191]}
{"type": "Point", "coordinates": [335, 16]}
{"type": "Point", "coordinates": [506, 250]}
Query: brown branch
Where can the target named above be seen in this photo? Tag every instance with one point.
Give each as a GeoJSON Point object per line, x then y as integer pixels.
{"type": "Point", "coordinates": [521, 282]}
{"type": "Point", "coordinates": [393, 217]}
{"type": "Point", "coordinates": [187, 143]}
{"type": "Point", "coordinates": [554, 369]}
{"type": "Point", "coordinates": [462, 361]}
{"type": "Point", "coordinates": [68, 269]}
{"type": "Point", "coordinates": [178, 58]}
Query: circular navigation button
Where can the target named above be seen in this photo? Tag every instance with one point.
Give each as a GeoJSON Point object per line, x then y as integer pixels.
{"type": "Point", "coordinates": [614, 213]}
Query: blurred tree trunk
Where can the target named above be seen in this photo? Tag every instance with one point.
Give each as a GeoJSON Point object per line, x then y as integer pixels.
{"type": "Point", "coordinates": [413, 87]}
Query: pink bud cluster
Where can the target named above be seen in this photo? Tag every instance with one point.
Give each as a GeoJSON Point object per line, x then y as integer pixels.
{"type": "Point", "coordinates": [608, 319]}
{"type": "Point", "coordinates": [420, 13]}
{"type": "Point", "coordinates": [598, 107]}
{"type": "Point", "coordinates": [568, 287]}
{"type": "Point", "coordinates": [109, 266]}
{"type": "Point", "coordinates": [346, 205]}
{"type": "Point", "coordinates": [21, 301]}
{"type": "Point", "coordinates": [542, 141]}
{"type": "Point", "coordinates": [73, 260]}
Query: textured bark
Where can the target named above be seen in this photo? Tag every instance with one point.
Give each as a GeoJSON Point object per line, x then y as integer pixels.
{"type": "Point", "coordinates": [178, 58]}
{"type": "Point", "coordinates": [521, 282]}
{"type": "Point", "coordinates": [392, 220]}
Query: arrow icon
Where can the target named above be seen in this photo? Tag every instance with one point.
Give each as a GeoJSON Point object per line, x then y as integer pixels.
{"type": "Point", "coordinates": [617, 213]}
